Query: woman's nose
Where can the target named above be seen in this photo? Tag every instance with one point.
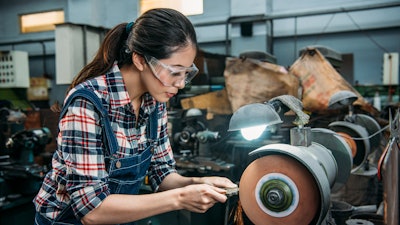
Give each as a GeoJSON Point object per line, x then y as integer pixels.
{"type": "Point", "coordinates": [180, 84]}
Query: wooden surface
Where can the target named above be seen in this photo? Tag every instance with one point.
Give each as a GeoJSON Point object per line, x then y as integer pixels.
{"type": "Point", "coordinates": [215, 102]}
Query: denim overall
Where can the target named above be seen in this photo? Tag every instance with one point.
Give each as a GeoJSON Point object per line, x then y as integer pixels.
{"type": "Point", "coordinates": [125, 174]}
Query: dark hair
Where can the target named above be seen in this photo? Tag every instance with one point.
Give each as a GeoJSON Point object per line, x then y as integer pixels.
{"type": "Point", "coordinates": [158, 33]}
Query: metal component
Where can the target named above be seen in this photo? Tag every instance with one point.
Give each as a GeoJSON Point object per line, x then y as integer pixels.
{"type": "Point", "coordinates": [395, 126]}
{"type": "Point", "coordinates": [340, 151]}
{"type": "Point", "coordinates": [362, 133]}
{"type": "Point", "coordinates": [255, 115]}
{"type": "Point", "coordinates": [284, 103]}
{"type": "Point", "coordinates": [26, 144]}
{"type": "Point", "coordinates": [300, 136]}
{"type": "Point", "coordinates": [358, 222]}
{"type": "Point", "coordinates": [278, 192]}
{"type": "Point", "coordinates": [368, 170]}
{"type": "Point", "coordinates": [342, 99]}
{"type": "Point", "coordinates": [232, 191]}
{"type": "Point", "coordinates": [205, 136]}
{"type": "Point", "coordinates": [298, 170]}
{"type": "Point", "coordinates": [202, 164]}
{"type": "Point", "coordinates": [270, 18]}
{"type": "Point", "coordinates": [341, 211]}
{"type": "Point", "coordinates": [187, 139]}
{"type": "Point", "coordinates": [360, 136]}
{"type": "Point", "coordinates": [390, 172]}
{"type": "Point", "coordinates": [370, 125]}
{"type": "Point", "coordinates": [118, 164]}
{"type": "Point", "coordinates": [325, 159]}
{"type": "Point", "coordinates": [365, 209]}
{"type": "Point", "coordinates": [276, 195]}
{"type": "Point", "coordinates": [194, 112]}
{"type": "Point", "coordinates": [193, 144]}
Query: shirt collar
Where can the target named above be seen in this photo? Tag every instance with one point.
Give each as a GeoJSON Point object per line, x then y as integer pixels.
{"type": "Point", "coordinates": [118, 94]}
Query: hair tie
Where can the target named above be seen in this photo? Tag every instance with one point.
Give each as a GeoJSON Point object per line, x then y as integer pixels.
{"type": "Point", "coordinates": [128, 27]}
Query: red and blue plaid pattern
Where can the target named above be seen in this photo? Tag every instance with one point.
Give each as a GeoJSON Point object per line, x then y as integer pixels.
{"type": "Point", "coordinates": [79, 176]}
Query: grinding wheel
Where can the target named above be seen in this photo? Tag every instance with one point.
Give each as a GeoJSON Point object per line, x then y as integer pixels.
{"type": "Point", "coordinates": [349, 140]}
{"type": "Point", "coordinates": [279, 190]}
{"type": "Point", "coordinates": [359, 135]}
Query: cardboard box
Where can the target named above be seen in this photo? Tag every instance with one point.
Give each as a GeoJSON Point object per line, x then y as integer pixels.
{"type": "Point", "coordinates": [38, 89]}
{"type": "Point", "coordinates": [215, 102]}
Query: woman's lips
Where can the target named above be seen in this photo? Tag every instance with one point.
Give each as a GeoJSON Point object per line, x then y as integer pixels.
{"type": "Point", "coordinates": [170, 95]}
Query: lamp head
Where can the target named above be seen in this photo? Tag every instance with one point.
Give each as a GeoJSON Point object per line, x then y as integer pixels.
{"type": "Point", "coordinates": [342, 99]}
{"type": "Point", "coordinates": [256, 115]}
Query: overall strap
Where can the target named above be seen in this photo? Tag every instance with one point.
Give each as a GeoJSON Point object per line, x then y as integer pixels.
{"type": "Point", "coordinates": [111, 140]}
{"type": "Point", "coordinates": [153, 123]}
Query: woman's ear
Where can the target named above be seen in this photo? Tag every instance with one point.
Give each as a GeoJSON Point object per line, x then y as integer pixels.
{"type": "Point", "coordinates": [139, 61]}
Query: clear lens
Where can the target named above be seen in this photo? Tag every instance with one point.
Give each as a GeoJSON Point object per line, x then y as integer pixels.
{"type": "Point", "coordinates": [169, 73]}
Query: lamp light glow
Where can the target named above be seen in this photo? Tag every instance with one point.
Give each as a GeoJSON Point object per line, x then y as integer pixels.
{"type": "Point", "coordinates": [267, 114]}
{"type": "Point", "coordinates": [253, 119]}
{"type": "Point", "coordinates": [252, 133]}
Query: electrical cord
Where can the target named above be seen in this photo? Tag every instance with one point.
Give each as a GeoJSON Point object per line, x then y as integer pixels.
{"type": "Point", "coordinates": [366, 138]}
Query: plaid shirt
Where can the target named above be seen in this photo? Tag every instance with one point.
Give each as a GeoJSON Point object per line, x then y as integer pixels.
{"type": "Point", "coordinates": [79, 176]}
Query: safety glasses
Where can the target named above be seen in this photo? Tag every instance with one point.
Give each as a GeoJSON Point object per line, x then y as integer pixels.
{"type": "Point", "coordinates": [171, 75]}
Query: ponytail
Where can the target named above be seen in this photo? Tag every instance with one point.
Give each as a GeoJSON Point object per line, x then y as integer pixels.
{"type": "Point", "coordinates": [158, 32]}
{"type": "Point", "coordinates": [111, 49]}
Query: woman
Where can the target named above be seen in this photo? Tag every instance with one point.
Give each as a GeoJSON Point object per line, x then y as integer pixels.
{"type": "Point", "coordinates": [97, 174]}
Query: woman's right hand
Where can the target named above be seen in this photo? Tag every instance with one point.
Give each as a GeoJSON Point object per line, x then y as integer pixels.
{"type": "Point", "coordinates": [122, 208]}
{"type": "Point", "coordinates": [200, 197]}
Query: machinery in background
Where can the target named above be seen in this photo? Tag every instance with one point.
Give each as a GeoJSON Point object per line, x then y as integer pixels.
{"type": "Point", "coordinates": [197, 153]}
{"type": "Point", "coordinates": [361, 132]}
{"type": "Point", "coordinates": [388, 172]}
{"type": "Point", "coordinates": [19, 173]}
{"type": "Point", "coordinates": [194, 146]}
{"type": "Point", "coordinates": [292, 183]}
{"type": "Point", "coordinates": [24, 145]}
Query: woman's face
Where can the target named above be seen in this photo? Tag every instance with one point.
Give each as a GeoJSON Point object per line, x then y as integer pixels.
{"type": "Point", "coordinates": [163, 78]}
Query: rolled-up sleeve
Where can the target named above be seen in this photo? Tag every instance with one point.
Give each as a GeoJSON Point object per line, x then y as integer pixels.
{"type": "Point", "coordinates": [162, 163]}
{"type": "Point", "coordinates": [82, 148]}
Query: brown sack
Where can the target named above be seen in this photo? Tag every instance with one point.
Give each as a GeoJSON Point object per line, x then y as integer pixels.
{"type": "Point", "coordinates": [320, 81]}
{"type": "Point", "coordinates": [251, 81]}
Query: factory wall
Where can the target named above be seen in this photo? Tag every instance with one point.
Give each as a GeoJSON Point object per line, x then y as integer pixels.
{"type": "Point", "coordinates": [367, 56]}
{"type": "Point", "coordinates": [365, 29]}
{"type": "Point", "coordinates": [281, 28]}
{"type": "Point", "coordinates": [41, 45]}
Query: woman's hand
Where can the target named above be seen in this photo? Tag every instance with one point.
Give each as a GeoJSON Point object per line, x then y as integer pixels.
{"type": "Point", "coordinates": [200, 197]}
{"type": "Point", "coordinates": [221, 182]}
{"type": "Point", "coordinates": [205, 193]}
{"type": "Point", "coordinates": [197, 194]}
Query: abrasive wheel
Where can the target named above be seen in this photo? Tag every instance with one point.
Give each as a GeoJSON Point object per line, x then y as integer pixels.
{"type": "Point", "coordinates": [277, 189]}
{"type": "Point", "coordinates": [357, 138]}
